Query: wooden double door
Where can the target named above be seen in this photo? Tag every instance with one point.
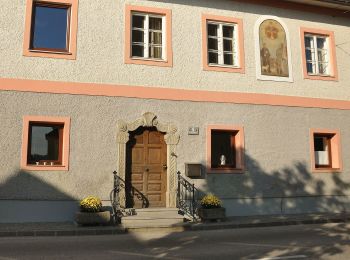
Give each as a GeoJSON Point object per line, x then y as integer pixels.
{"type": "Point", "coordinates": [146, 171]}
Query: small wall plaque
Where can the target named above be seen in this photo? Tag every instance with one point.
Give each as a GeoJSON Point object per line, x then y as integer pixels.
{"type": "Point", "coordinates": [193, 130]}
{"type": "Point", "coordinates": [193, 170]}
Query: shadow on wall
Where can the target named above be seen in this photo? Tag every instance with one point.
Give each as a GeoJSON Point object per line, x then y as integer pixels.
{"type": "Point", "coordinates": [291, 190]}
{"type": "Point", "coordinates": [26, 198]}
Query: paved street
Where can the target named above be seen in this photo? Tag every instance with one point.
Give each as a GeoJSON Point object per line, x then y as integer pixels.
{"type": "Point", "coordinates": [327, 241]}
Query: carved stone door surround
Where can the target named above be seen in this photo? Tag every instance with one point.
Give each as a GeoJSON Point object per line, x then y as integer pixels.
{"type": "Point", "coordinates": [171, 138]}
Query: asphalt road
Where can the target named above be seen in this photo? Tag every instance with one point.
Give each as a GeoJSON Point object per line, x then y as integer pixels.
{"type": "Point", "coordinates": [328, 241]}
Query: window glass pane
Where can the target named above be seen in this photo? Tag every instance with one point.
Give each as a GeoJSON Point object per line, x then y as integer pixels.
{"type": "Point", "coordinates": [221, 145]}
{"type": "Point", "coordinates": [311, 68]}
{"type": "Point", "coordinates": [138, 21]}
{"type": "Point", "coordinates": [212, 29]}
{"type": "Point", "coordinates": [323, 68]}
{"type": "Point", "coordinates": [310, 56]}
{"type": "Point", "coordinates": [155, 23]}
{"type": "Point", "coordinates": [137, 50]}
{"type": "Point", "coordinates": [228, 59]}
{"type": "Point", "coordinates": [155, 37]}
{"type": "Point", "coordinates": [137, 36]}
{"type": "Point", "coordinates": [309, 42]}
{"type": "Point", "coordinates": [213, 57]}
{"type": "Point", "coordinates": [319, 144]}
{"type": "Point", "coordinates": [44, 143]}
{"type": "Point", "coordinates": [212, 44]}
{"type": "Point", "coordinates": [155, 52]}
{"type": "Point", "coordinates": [228, 45]}
{"type": "Point", "coordinates": [321, 43]}
{"type": "Point", "coordinates": [49, 27]}
{"type": "Point", "coordinates": [322, 56]}
{"type": "Point", "coordinates": [227, 31]}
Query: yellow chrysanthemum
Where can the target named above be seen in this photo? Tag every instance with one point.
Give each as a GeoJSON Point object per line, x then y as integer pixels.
{"type": "Point", "coordinates": [210, 201]}
{"type": "Point", "coordinates": [90, 204]}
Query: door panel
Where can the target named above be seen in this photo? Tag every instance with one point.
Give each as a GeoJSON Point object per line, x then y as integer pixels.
{"type": "Point", "coordinates": [146, 176]}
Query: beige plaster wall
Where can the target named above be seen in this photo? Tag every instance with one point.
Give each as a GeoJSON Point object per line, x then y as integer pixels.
{"type": "Point", "coordinates": [276, 141]}
{"type": "Point", "coordinates": [100, 49]}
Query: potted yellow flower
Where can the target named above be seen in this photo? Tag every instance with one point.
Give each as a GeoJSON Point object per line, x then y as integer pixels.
{"type": "Point", "coordinates": [91, 212]}
{"type": "Point", "coordinates": [211, 208]}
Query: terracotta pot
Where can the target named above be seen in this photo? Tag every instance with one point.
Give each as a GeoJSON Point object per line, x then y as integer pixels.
{"type": "Point", "coordinates": [212, 214]}
{"type": "Point", "coordinates": [93, 218]}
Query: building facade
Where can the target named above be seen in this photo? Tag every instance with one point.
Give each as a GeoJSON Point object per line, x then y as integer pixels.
{"type": "Point", "coordinates": [257, 94]}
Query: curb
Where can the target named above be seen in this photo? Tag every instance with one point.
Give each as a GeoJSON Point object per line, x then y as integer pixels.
{"type": "Point", "coordinates": [88, 231]}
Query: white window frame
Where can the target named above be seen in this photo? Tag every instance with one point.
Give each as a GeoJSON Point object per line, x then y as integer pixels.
{"type": "Point", "coordinates": [146, 30]}
{"type": "Point", "coordinates": [315, 49]}
{"type": "Point", "coordinates": [220, 38]}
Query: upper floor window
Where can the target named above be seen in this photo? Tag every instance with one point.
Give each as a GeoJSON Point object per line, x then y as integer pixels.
{"type": "Point", "coordinates": [319, 54]}
{"type": "Point", "coordinates": [51, 29]}
{"type": "Point", "coordinates": [222, 44]}
{"type": "Point", "coordinates": [148, 36]}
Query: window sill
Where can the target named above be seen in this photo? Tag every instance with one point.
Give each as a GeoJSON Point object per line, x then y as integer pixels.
{"type": "Point", "coordinates": [45, 167]}
{"type": "Point", "coordinates": [49, 54]}
{"type": "Point", "coordinates": [147, 61]}
{"type": "Point", "coordinates": [225, 170]}
{"type": "Point", "coordinates": [326, 170]}
{"type": "Point", "coordinates": [223, 68]}
{"type": "Point", "coordinates": [321, 77]}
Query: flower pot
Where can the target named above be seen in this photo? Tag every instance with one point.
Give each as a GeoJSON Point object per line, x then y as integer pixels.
{"type": "Point", "coordinates": [93, 218]}
{"type": "Point", "coordinates": [212, 214]}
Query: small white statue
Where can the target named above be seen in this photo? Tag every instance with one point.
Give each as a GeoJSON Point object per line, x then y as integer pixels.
{"type": "Point", "coordinates": [222, 160]}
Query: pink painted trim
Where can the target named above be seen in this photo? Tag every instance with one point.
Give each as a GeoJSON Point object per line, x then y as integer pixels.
{"type": "Point", "coordinates": [336, 154]}
{"type": "Point", "coordinates": [162, 93]}
{"type": "Point", "coordinates": [72, 36]}
{"type": "Point", "coordinates": [169, 53]}
{"type": "Point", "coordinates": [241, 68]}
{"type": "Point", "coordinates": [65, 151]}
{"type": "Point", "coordinates": [332, 54]}
{"type": "Point", "coordinates": [239, 140]}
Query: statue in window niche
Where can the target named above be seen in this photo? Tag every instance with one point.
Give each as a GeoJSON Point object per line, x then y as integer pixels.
{"type": "Point", "coordinates": [222, 160]}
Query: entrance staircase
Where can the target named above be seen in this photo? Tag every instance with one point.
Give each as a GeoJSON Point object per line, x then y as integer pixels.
{"type": "Point", "coordinates": [152, 218]}
{"type": "Point", "coordinates": [187, 202]}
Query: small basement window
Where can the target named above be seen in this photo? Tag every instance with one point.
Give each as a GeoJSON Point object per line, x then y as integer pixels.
{"type": "Point", "coordinates": [325, 150]}
{"type": "Point", "coordinates": [45, 143]}
{"type": "Point", "coordinates": [225, 149]}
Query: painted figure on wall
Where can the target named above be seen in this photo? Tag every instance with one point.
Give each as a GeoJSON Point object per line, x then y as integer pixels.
{"type": "Point", "coordinates": [273, 49]}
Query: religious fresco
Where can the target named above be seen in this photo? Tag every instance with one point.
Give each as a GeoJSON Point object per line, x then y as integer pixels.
{"type": "Point", "coordinates": [273, 49]}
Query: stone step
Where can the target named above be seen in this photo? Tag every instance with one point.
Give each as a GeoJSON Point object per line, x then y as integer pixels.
{"type": "Point", "coordinates": [154, 217]}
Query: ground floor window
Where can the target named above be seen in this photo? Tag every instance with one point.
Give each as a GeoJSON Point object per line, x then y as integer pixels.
{"type": "Point", "coordinates": [225, 149]}
{"type": "Point", "coordinates": [325, 145]}
{"type": "Point", "coordinates": [45, 143]}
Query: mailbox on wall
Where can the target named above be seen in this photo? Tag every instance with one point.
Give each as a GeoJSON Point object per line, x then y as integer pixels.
{"type": "Point", "coordinates": [193, 170]}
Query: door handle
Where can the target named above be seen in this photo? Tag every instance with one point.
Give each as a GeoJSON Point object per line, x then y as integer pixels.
{"type": "Point", "coordinates": [147, 170]}
{"type": "Point", "coordinates": [165, 167]}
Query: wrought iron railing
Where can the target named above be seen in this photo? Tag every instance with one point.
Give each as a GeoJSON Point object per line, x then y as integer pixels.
{"type": "Point", "coordinates": [132, 197]}
{"type": "Point", "coordinates": [188, 198]}
{"type": "Point", "coordinates": [118, 184]}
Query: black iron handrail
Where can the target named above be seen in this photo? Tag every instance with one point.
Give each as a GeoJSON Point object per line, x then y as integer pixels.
{"type": "Point", "coordinates": [118, 184]}
{"type": "Point", "coordinates": [188, 197]}
{"type": "Point", "coordinates": [131, 193]}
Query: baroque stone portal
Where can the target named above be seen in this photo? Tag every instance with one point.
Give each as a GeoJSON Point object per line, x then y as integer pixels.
{"type": "Point", "coordinates": [171, 138]}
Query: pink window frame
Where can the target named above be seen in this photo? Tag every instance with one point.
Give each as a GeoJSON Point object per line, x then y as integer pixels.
{"type": "Point", "coordinates": [336, 156]}
{"type": "Point", "coordinates": [168, 62]}
{"type": "Point", "coordinates": [239, 23]}
{"type": "Point", "coordinates": [65, 149]}
{"type": "Point", "coordinates": [73, 26]}
{"type": "Point", "coordinates": [332, 54]}
{"type": "Point", "coordinates": [239, 149]}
